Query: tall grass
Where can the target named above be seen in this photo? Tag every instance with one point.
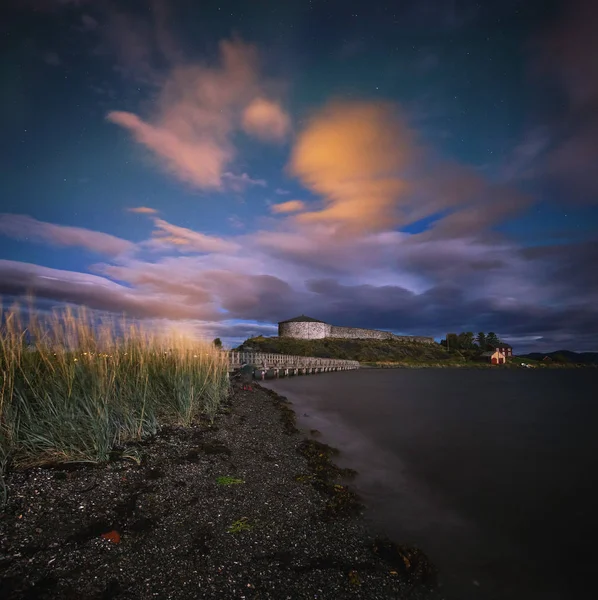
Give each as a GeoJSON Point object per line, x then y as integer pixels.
{"type": "Point", "coordinates": [73, 388]}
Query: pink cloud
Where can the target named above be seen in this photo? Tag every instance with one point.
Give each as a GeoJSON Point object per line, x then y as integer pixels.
{"type": "Point", "coordinates": [198, 110]}
{"type": "Point", "coordinates": [143, 210]}
{"type": "Point", "coordinates": [23, 227]}
{"type": "Point", "coordinates": [189, 240]}
{"type": "Point", "coordinates": [266, 120]}
{"type": "Point", "coordinates": [193, 160]}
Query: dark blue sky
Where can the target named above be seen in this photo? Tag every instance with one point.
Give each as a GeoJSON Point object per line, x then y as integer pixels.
{"type": "Point", "coordinates": [420, 167]}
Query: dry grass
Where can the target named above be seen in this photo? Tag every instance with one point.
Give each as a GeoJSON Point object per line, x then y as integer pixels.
{"type": "Point", "coordinates": [73, 388]}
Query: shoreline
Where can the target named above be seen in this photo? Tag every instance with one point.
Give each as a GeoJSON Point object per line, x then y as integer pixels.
{"type": "Point", "coordinates": [473, 365]}
{"type": "Point", "coordinates": [249, 507]}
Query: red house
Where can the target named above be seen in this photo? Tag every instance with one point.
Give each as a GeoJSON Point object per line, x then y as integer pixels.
{"type": "Point", "coordinates": [505, 349]}
{"type": "Point", "coordinates": [496, 358]}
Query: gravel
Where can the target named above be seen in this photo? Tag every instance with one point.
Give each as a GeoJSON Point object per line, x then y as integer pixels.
{"type": "Point", "coordinates": [155, 522]}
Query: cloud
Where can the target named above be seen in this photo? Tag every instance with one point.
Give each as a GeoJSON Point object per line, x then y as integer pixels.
{"type": "Point", "coordinates": [23, 227]}
{"type": "Point", "coordinates": [386, 280]}
{"type": "Point", "coordinates": [52, 59]}
{"type": "Point", "coordinates": [141, 42]}
{"type": "Point", "coordinates": [238, 183]}
{"type": "Point", "coordinates": [523, 163]}
{"type": "Point", "coordinates": [197, 112]}
{"type": "Point", "coordinates": [88, 23]}
{"type": "Point", "coordinates": [189, 240]}
{"type": "Point", "coordinates": [281, 192]}
{"type": "Point", "coordinates": [229, 285]}
{"type": "Point", "coordinates": [566, 47]}
{"type": "Point", "coordinates": [129, 40]}
{"type": "Point", "coordinates": [248, 296]}
{"type": "Point", "coordinates": [236, 222]}
{"type": "Point", "coordinates": [353, 156]}
{"type": "Point", "coordinates": [566, 54]}
{"type": "Point", "coordinates": [193, 160]}
{"type": "Point", "coordinates": [372, 174]}
{"type": "Point", "coordinates": [476, 219]}
{"type": "Point", "coordinates": [18, 278]}
{"type": "Point", "coordinates": [169, 278]}
{"type": "Point", "coordinates": [288, 207]}
{"type": "Point", "coordinates": [266, 120]}
{"type": "Point", "coordinates": [143, 210]}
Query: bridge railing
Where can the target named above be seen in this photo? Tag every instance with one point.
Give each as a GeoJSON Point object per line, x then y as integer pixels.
{"type": "Point", "coordinates": [287, 361]}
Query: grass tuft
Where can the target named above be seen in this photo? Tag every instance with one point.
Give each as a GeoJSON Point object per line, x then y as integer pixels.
{"type": "Point", "coordinates": [240, 525]}
{"type": "Point", "coordinates": [72, 388]}
{"type": "Point", "coordinates": [226, 480]}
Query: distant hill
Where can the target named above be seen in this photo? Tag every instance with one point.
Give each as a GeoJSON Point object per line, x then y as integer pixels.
{"type": "Point", "coordinates": [348, 349]}
{"type": "Point", "coordinates": [565, 356]}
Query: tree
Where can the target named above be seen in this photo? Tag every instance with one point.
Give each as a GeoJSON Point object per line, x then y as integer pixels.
{"type": "Point", "coordinates": [492, 340]}
{"type": "Point", "coordinates": [217, 343]}
{"type": "Point", "coordinates": [452, 341]}
{"type": "Point", "coordinates": [466, 340]}
{"type": "Point", "coordinates": [482, 340]}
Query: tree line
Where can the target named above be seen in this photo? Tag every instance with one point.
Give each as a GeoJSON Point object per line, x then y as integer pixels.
{"type": "Point", "coordinates": [467, 340]}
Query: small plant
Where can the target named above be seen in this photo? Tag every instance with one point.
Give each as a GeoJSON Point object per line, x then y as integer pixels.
{"type": "Point", "coordinates": [226, 480]}
{"type": "Point", "coordinates": [134, 456]}
{"type": "Point", "coordinates": [240, 525]}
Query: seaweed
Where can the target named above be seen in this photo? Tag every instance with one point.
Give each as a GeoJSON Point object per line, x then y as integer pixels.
{"type": "Point", "coordinates": [409, 561]}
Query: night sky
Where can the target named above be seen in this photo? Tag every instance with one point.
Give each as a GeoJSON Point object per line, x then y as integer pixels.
{"type": "Point", "coordinates": [422, 167]}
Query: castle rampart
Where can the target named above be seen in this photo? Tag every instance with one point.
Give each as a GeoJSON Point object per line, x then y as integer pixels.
{"type": "Point", "coordinates": [311, 329]}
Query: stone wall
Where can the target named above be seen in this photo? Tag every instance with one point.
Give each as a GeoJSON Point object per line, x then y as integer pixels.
{"type": "Point", "coordinates": [420, 339]}
{"type": "Point", "coordinates": [309, 330]}
{"type": "Point", "coordinates": [357, 333]}
{"type": "Point", "coordinates": [305, 330]}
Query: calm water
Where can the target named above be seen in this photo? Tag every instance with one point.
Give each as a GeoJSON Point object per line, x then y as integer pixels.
{"type": "Point", "coordinates": [493, 473]}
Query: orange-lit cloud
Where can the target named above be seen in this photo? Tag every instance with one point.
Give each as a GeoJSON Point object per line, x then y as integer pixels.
{"type": "Point", "coordinates": [143, 210]}
{"type": "Point", "coordinates": [199, 109]}
{"type": "Point", "coordinates": [288, 207]}
{"type": "Point", "coordinates": [353, 156]}
{"type": "Point", "coordinates": [266, 120]}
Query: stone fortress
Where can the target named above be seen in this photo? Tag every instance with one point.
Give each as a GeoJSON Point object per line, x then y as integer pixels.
{"type": "Point", "coordinates": [307, 328]}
